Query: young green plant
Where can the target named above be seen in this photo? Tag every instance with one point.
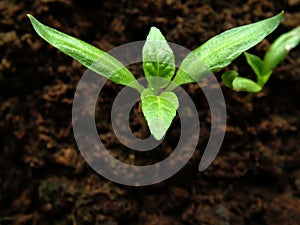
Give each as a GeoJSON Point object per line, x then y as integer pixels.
{"type": "Point", "coordinates": [159, 101]}
{"type": "Point", "coordinates": [263, 68]}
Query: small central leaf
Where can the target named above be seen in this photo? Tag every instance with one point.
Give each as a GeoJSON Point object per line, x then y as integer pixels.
{"type": "Point", "coordinates": [159, 111]}
{"type": "Point", "coordinates": [158, 59]}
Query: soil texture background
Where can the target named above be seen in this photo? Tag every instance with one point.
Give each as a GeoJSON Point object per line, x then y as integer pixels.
{"type": "Point", "coordinates": [255, 179]}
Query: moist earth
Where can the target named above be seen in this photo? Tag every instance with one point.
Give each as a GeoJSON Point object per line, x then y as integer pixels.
{"type": "Point", "coordinates": [255, 179]}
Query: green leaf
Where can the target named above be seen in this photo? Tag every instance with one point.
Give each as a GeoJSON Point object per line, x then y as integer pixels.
{"type": "Point", "coordinates": [86, 54]}
{"type": "Point", "coordinates": [256, 64]}
{"type": "Point", "coordinates": [281, 47]}
{"type": "Point", "coordinates": [158, 59]}
{"type": "Point", "coordinates": [231, 79]}
{"type": "Point", "coordinates": [228, 77]}
{"type": "Point", "coordinates": [245, 84]}
{"type": "Point", "coordinates": [221, 50]}
{"type": "Point", "coordinates": [192, 69]}
{"type": "Point", "coordinates": [159, 111]}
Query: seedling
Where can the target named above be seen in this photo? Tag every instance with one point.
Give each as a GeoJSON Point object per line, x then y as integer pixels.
{"type": "Point", "coordinates": [159, 101]}
{"type": "Point", "coordinates": [263, 68]}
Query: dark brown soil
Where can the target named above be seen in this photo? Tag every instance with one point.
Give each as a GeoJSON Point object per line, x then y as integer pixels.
{"type": "Point", "coordinates": [44, 180]}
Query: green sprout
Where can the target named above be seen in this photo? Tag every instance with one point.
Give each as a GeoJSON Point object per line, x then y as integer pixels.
{"type": "Point", "coordinates": [263, 68]}
{"type": "Point", "coordinates": [159, 102]}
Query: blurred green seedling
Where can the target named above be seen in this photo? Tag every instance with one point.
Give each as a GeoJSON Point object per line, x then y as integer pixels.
{"type": "Point", "coordinates": [159, 101]}
{"type": "Point", "coordinates": [263, 68]}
